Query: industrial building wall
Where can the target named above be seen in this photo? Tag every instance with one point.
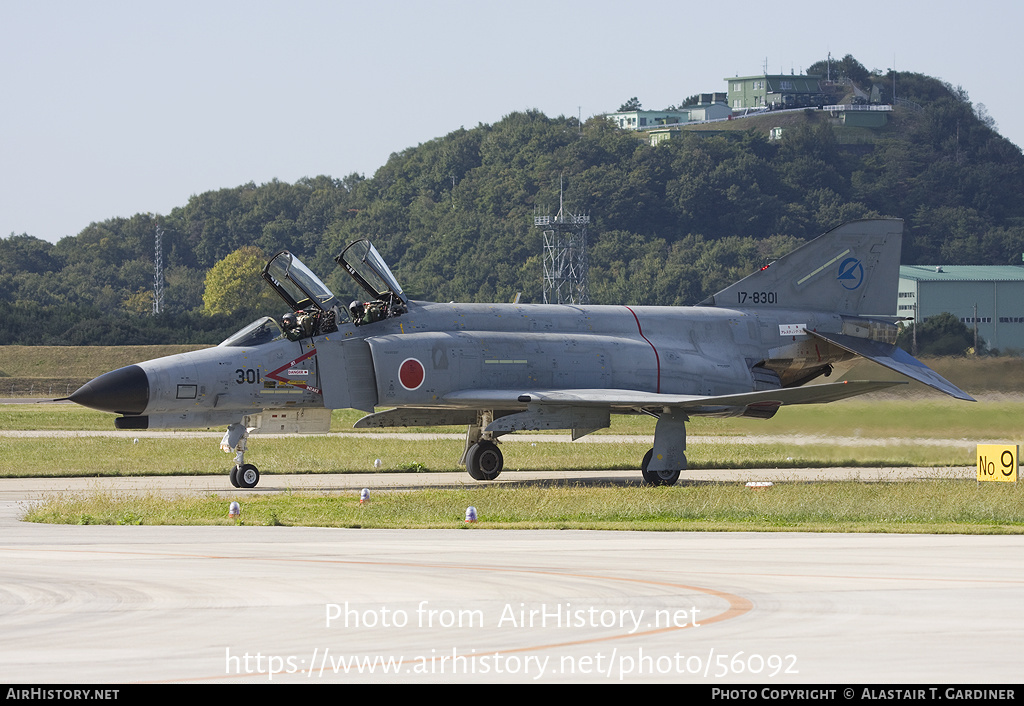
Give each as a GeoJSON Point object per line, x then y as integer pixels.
{"type": "Point", "coordinates": [1000, 309]}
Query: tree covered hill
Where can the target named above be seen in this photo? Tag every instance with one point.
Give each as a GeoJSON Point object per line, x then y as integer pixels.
{"type": "Point", "coordinates": [671, 223]}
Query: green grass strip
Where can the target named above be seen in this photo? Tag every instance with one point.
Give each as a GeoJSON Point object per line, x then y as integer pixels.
{"type": "Point", "coordinates": [123, 456]}
{"type": "Point", "coordinates": [945, 506]}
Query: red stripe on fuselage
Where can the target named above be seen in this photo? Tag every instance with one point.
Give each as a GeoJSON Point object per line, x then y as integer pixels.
{"type": "Point", "coordinates": [657, 358]}
{"type": "Point", "coordinates": [276, 376]}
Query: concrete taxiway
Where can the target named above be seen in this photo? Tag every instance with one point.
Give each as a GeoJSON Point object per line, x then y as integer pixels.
{"type": "Point", "coordinates": [287, 604]}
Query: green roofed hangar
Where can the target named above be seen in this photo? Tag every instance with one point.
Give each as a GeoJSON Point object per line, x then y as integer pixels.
{"type": "Point", "coordinates": [991, 296]}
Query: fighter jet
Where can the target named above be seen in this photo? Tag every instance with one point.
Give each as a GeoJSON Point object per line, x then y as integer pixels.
{"type": "Point", "coordinates": [500, 368]}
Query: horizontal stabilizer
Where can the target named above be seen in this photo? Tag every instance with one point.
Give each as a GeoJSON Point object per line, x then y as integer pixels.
{"type": "Point", "coordinates": [894, 358]}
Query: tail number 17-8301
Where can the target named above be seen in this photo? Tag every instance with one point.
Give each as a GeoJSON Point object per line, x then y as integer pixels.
{"type": "Point", "coordinates": [757, 297]}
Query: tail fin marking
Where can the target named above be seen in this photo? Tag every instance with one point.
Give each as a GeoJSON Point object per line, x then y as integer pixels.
{"type": "Point", "coordinates": [852, 269]}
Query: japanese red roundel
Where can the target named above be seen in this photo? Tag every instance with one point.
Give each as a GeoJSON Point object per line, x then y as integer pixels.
{"type": "Point", "coordinates": [410, 373]}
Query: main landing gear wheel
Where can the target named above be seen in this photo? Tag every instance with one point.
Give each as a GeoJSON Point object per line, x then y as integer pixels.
{"type": "Point", "coordinates": [657, 477]}
{"type": "Point", "coordinates": [484, 460]}
{"type": "Point", "coordinates": [245, 477]}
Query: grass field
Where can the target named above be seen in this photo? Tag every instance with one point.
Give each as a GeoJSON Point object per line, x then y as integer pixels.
{"type": "Point", "coordinates": [57, 371]}
{"type": "Point", "coordinates": [960, 507]}
{"type": "Point", "coordinates": [103, 456]}
{"type": "Point", "coordinates": [908, 427]}
{"type": "Point", "coordinates": [899, 429]}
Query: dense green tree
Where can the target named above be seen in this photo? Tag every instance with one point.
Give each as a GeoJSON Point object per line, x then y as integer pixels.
{"type": "Point", "coordinates": [943, 334]}
{"type": "Point", "coordinates": [847, 67]}
{"type": "Point", "coordinates": [235, 288]}
{"type": "Point", "coordinates": [24, 253]}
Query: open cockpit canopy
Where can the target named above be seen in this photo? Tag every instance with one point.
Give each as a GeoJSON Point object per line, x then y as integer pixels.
{"type": "Point", "coordinates": [365, 265]}
{"type": "Point", "coordinates": [297, 284]}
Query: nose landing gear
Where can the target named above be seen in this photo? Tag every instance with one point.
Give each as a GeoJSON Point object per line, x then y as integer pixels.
{"type": "Point", "coordinates": [242, 475]}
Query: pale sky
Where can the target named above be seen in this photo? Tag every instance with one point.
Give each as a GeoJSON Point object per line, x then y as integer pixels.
{"type": "Point", "coordinates": [110, 109]}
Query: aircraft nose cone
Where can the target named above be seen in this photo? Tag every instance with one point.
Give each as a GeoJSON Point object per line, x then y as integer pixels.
{"type": "Point", "coordinates": [122, 391]}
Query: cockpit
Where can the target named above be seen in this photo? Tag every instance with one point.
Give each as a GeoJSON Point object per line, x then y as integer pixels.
{"type": "Point", "coordinates": [296, 283]}
{"type": "Point", "coordinates": [365, 265]}
{"type": "Point", "coordinates": [314, 308]}
{"type": "Point", "coordinates": [257, 333]}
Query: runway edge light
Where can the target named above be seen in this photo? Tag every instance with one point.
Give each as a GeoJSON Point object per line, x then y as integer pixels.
{"type": "Point", "coordinates": [997, 462]}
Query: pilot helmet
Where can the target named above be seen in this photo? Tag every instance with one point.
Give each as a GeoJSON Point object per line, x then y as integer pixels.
{"type": "Point", "coordinates": [356, 309]}
{"type": "Point", "coordinates": [289, 320]}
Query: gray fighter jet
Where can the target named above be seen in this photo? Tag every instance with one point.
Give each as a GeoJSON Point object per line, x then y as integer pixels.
{"type": "Point", "coordinates": [501, 368]}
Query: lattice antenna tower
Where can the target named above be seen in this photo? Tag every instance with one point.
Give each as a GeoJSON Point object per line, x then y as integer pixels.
{"type": "Point", "coordinates": [158, 271]}
{"type": "Point", "coordinates": [565, 255]}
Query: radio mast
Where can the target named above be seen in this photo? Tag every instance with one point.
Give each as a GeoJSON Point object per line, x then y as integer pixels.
{"type": "Point", "coordinates": [158, 274]}
{"type": "Point", "coordinates": [565, 255]}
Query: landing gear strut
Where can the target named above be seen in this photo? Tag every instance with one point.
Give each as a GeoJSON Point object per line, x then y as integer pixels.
{"type": "Point", "coordinates": [482, 457]}
{"type": "Point", "coordinates": [242, 475]}
{"type": "Point", "coordinates": [663, 463]}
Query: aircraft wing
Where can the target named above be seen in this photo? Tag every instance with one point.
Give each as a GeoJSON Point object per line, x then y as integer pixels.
{"type": "Point", "coordinates": [690, 404]}
{"type": "Point", "coordinates": [894, 358]}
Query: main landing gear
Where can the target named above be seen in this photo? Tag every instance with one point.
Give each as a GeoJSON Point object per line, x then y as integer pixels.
{"type": "Point", "coordinates": [243, 475]}
{"type": "Point", "coordinates": [660, 466]}
{"type": "Point", "coordinates": [484, 460]}
{"type": "Point", "coordinates": [657, 477]}
{"type": "Point", "coordinates": [482, 457]}
{"type": "Point", "coordinates": [663, 463]}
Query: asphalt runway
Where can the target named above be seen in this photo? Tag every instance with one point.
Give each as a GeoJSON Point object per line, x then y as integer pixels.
{"type": "Point", "coordinates": [125, 604]}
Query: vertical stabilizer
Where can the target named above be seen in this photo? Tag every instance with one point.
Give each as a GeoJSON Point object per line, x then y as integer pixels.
{"type": "Point", "coordinates": [852, 269]}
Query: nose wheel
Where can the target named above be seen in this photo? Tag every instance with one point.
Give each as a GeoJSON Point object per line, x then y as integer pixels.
{"type": "Point", "coordinates": [244, 476]}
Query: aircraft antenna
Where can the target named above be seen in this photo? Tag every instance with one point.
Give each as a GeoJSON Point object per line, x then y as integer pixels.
{"type": "Point", "coordinates": [158, 273]}
{"type": "Point", "coordinates": [565, 255]}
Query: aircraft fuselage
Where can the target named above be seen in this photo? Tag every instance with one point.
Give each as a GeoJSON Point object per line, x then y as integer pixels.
{"type": "Point", "coordinates": [500, 368]}
{"type": "Point", "coordinates": [416, 359]}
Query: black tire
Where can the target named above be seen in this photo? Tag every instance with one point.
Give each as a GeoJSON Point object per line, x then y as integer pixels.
{"type": "Point", "coordinates": [248, 476]}
{"type": "Point", "coordinates": [484, 461]}
{"type": "Point", "coordinates": [474, 473]}
{"type": "Point", "coordinates": [657, 477]}
{"type": "Point", "coordinates": [233, 476]}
